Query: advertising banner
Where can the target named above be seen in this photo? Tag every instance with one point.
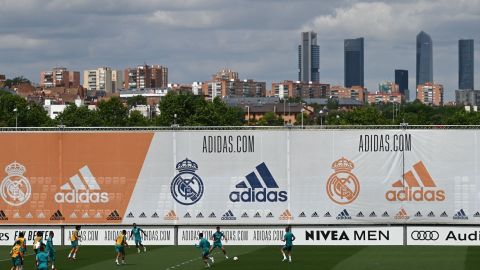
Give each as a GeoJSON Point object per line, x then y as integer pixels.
{"type": "Point", "coordinates": [236, 236]}
{"type": "Point", "coordinates": [241, 177]}
{"type": "Point", "coordinates": [443, 236]}
{"type": "Point", "coordinates": [106, 236]}
{"type": "Point", "coordinates": [346, 236]}
{"type": "Point", "coordinates": [8, 234]}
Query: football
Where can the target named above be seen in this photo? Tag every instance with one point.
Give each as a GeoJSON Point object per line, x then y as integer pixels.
{"type": "Point", "coordinates": [235, 258]}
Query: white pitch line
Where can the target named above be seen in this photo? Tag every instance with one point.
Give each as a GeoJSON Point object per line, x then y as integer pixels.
{"type": "Point", "coordinates": [186, 262]}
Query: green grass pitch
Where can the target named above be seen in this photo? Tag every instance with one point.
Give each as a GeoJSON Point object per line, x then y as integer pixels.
{"type": "Point", "coordinates": [263, 257]}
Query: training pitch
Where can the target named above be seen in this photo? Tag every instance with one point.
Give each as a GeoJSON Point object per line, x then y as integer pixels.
{"type": "Point", "coordinates": [257, 257]}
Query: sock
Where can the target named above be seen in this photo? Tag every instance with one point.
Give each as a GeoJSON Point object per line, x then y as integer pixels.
{"type": "Point", "coordinates": [290, 258]}
{"type": "Point", "coordinates": [284, 257]}
{"type": "Point", "coordinates": [70, 254]}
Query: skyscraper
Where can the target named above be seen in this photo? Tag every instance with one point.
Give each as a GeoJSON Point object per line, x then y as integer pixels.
{"type": "Point", "coordinates": [401, 79]}
{"type": "Point", "coordinates": [353, 62]}
{"type": "Point", "coordinates": [424, 58]}
{"type": "Point", "coordinates": [308, 58]}
{"type": "Point", "coordinates": [465, 64]}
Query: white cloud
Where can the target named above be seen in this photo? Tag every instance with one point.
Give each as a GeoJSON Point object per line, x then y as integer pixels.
{"type": "Point", "coordinates": [20, 42]}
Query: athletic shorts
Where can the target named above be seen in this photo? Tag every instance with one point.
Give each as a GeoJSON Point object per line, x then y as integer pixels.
{"type": "Point", "coordinates": [42, 267]}
{"type": "Point", "coordinates": [17, 261]}
{"type": "Point", "coordinates": [119, 249]}
{"type": "Point", "coordinates": [51, 255]}
{"type": "Point", "coordinates": [74, 244]}
{"type": "Point", "coordinates": [217, 245]}
{"type": "Point", "coordinates": [205, 253]}
{"type": "Point", "coordinates": [287, 247]}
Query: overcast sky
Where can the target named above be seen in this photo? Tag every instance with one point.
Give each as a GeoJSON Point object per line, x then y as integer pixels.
{"type": "Point", "coordinates": [257, 38]}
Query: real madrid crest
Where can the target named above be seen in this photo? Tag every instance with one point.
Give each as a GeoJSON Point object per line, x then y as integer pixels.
{"type": "Point", "coordinates": [15, 188]}
{"type": "Point", "coordinates": [343, 186]}
{"type": "Point", "coordinates": [187, 186]}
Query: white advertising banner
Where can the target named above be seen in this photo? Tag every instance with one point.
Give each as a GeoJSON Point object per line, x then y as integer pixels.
{"type": "Point", "coordinates": [316, 236]}
{"type": "Point", "coordinates": [241, 177]}
{"type": "Point", "coordinates": [8, 234]}
{"type": "Point", "coordinates": [105, 236]}
{"type": "Point", "coordinates": [309, 177]}
{"type": "Point", "coordinates": [443, 236]}
{"type": "Point", "coordinates": [236, 236]}
{"type": "Point", "coordinates": [346, 236]}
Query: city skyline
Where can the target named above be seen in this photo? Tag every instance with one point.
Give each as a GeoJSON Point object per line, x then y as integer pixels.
{"type": "Point", "coordinates": [196, 38]}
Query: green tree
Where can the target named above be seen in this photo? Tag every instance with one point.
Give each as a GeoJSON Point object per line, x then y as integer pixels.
{"type": "Point", "coordinates": [136, 119]}
{"type": "Point", "coordinates": [10, 83]}
{"type": "Point", "coordinates": [136, 100]}
{"type": "Point", "coordinates": [113, 112]}
{"type": "Point", "coordinates": [270, 119]}
{"type": "Point", "coordinates": [15, 110]}
{"type": "Point", "coordinates": [74, 116]}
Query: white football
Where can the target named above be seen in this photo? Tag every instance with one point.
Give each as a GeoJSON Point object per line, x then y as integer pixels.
{"type": "Point", "coordinates": [235, 258]}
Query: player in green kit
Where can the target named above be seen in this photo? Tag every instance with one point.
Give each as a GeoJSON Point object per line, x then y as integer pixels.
{"type": "Point", "coordinates": [204, 245]}
{"type": "Point", "coordinates": [50, 249]}
{"type": "Point", "coordinates": [136, 232]}
{"type": "Point", "coordinates": [217, 242]}
{"type": "Point", "coordinates": [42, 258]}
{"type": "Point", "coordinates": [288, 238]}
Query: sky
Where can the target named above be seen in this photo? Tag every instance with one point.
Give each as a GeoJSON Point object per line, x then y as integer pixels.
{"type": "Point", "coordinates": [257, 38]}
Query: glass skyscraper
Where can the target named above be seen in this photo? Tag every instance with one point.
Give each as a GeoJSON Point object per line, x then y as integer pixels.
{"type": "Point", "coordinates": [353, 62]}
{"type": "Point", "coordinates": [401, 78]}
{"type": "Point", "coordinates": [309, 58]}
{"type": "Point", "coordinates": [465, 64]}
{"type": "Point", "coordinates": [424, 58]}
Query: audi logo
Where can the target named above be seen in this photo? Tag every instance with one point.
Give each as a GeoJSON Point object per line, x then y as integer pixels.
{"type": "Point", "coordinates": [425, 235]}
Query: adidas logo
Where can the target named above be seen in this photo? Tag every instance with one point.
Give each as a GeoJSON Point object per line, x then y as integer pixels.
{"type": "Point", "coordinates": [187, 215]}
{"type": "Point", "coordinates": [82, 188]}
{"type": "Point", "coordinates": [113, 216]}
{"type": "Point", "coordinates": [255, 191]}
{"type": "Point", "coordinates": [477, 214]}
{"type": "Point", "coordinates": [245, 215]}
{"type": "Point", "coordinates": [85, 215]}
{"type": "Point", "coordinates": [418, 214]}
{"type": "Point", "coordinates": [269, 215]}
{"type": "Point", "coordinates": [410, 189]}
{"type": "Point", "coordinates": [314, 214]}
{"type": "Point", "coordinates": [170, 216]}
{"type": "Point", "coordinates": [228, 216]}
{"type": "Point", "coordinates": [212, 215]}
{"type": "Point", "coordinates": [257, 215]}
{"type": "Point", "coordinates": [402, 214]}
{"type": "Point", "coordinates": [98, 215]}
{"type": "Point", "coordinates": [57, 216]}
{"type": "Point", "coordinates": [3, 216]}
{"type": "Point", "coordinates": [41, 215]}
{"type": "Point", "coordinates": [385, 214]}
{"type": "Point", "coordinates": [155, 215]}
{"type": "Point", "coordinates": [73, 215]}
{"type": "Point", "coordinates": [142, 215]}
{"type": "Point", "coordinates": [130, 215]}
{"type": "Point", "coordinates": [360, 214]}
{"type": "Point", "coordinates": [460, 215]}
{"type": "Point", "coordinates": [199, 215]}
{"type": "Point", "coordinates": [344, 215]}
{"type": "Point", "coordinates": [327, 215]}
{"type": "Point", "coordinates": [431, 214]}
{"type": "Point", "coordinates": [372, 214]}
{"type": "Point", "coordinates": [286, 215]}
{"type": "Point", "coordinates": [302, 214]}
{"type": "Point", "coordinates": [29, 215]}
{"type": "Point", "coordinates": [444, 214]}
{"type": "Point", "coordinates": [16, 215]}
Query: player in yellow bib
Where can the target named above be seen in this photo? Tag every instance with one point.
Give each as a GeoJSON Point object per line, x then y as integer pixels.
{"type": "Point", "coordinates": [16, 256]}
{"type": "Point", "coordinates": [120, 244]}
{"type": "Point", "coordinates": [74, 237]}
{"type": "Point", "coordinates": [23, 244]}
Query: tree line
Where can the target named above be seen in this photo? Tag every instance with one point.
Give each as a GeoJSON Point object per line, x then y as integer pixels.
{"type": "Point", "coordinates": [186, 109]}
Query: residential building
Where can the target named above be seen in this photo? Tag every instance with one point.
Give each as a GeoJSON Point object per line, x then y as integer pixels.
{"type": "Point", "coordinates": [465, 64]}
{"type": "Point", "coordinates": [300, 89]}
{"type": "Point", "coordinates": [388, 87]}
{"type": "Point", "coordinates": [354, 92]}
{"type": "Point", "coordinates": [354, 62]}
{"type": "Point", "coordinates": [99, 80]}
{"type": "Point", "coordinates": [424, 59]}
{"type": "Point", "coordinates": [2, 80]}
{"type": "Point", "coordinates": [226, 84]}
{"type": "Point", "coordinates": [430, 94]}
{"type": "Point", "coordinates": [59, 77]}
{"type": "Point", "coordinates": [197, 88]}
{"type": "Point", "coordinates": [225, 74]}
{"type": "Point", "coordinates": [401, 79]}
{"type": "Point", "coordinates": [309, 58]}
{"type": "Point", "coordinates": [117, 80]}
{"type": "Point", "coordinates": [145, 76]}
{"type": "Point", "coordinates": [384, 97]}
{"type": "Point", "coordinates": [467, 97]}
